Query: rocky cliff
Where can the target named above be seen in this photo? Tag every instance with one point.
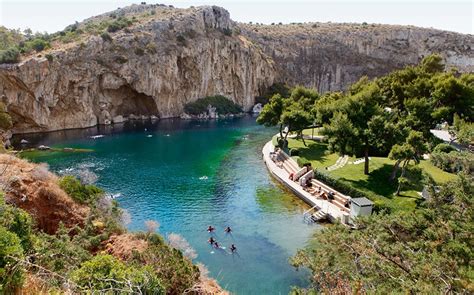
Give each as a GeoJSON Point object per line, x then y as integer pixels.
{"type": "Point", "coordinates": [330, 57]}
{"type": "Point", "coordinates": [153, 68]}
{"type": "Point", "coordinates": [170, 56]}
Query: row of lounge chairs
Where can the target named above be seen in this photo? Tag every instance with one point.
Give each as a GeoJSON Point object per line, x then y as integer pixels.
{"type": "Point", "coordinates": [317, 188]}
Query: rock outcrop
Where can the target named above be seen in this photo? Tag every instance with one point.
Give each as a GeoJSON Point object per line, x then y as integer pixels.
{"type": "Point", "coordinates": [330, 57]}
{"type": "Point", "coordinates": [175, 56]}
{"type": "Point", "coordinates": [152, 69]}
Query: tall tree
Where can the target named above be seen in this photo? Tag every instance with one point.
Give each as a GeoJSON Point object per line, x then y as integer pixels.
{"type": "Point", "coordinates": [360, 108]}
{"type": "Point", "coordinates": [296, 118]}
{"type": "Point", "coordinates": [271, 113]}
{"type": "Point", "coordinates": [412, 149]}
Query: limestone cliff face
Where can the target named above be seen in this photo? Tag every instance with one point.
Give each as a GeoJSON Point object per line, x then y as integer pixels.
{"type": "Point", "coordinates": [330, 57]}
{"type": "Point", "coordinates": [174, 56]}
{"type": "Point", "coordinates": [153, 69]}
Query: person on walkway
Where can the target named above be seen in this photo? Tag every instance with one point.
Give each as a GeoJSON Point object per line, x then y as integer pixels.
{"type": "Point", "coordinates": [210, 228]}
{"type": "Point", "coordinates": [228, 230]}
{"type": "Point", "coordinates": [233, 248]}
{"type": "Point", "coordinates": [211, 241]}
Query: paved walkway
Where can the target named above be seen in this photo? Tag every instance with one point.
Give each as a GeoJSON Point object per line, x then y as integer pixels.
{"type": "Point", "coordinates": [334, 212]}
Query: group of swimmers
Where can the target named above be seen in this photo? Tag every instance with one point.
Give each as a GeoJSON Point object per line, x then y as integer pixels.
{"type": "Point", "coordinates": [214, 243]}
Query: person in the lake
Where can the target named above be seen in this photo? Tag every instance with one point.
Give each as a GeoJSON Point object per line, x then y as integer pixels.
{"type": "Point", "coordinates": [216, 245]}
{"type": "Point", "coordinates": [210, 229]}
{"type": "Point", "coordinates": [228, 230]}
{"type": "Point", "coordinates": [211, 240]}
{"type": "Point", "coordinates": [233, 248]}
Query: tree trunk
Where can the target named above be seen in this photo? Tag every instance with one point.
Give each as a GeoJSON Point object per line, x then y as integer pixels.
{"type": "Point", "coordinates": [402, 175]}
{"type": "Point", "coordinates": [281, 130]}
{"type": "Point", "coordinates": [302, 138]}
{"type": "Point", "coordinates": [395, 170]}
{"type": "Point", "coordinates": [366, 163]}
{"type": "Point", "coordinates": [285, 143]}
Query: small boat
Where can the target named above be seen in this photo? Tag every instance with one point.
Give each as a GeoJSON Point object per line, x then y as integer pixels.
{"type": "Point", "coordinates": [97, 136]}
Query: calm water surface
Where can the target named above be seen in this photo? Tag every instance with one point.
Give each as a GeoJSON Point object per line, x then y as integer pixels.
{"type": "Point", "coordinates": [188, 175]}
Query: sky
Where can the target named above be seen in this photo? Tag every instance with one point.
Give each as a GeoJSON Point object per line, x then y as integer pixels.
{"type": "Point", "coordinates": [452, 15]}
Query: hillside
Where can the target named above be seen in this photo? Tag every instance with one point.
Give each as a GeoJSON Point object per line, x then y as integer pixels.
{"type": "Point", "coordinates": [150, 60]}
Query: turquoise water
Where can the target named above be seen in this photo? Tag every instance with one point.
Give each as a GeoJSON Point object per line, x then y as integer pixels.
{"type": "Point", "coordinates": [189, 175]}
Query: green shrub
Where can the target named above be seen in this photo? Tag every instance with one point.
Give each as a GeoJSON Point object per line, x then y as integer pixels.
{"type": "Point", "coordinates": [105, 272]}
{"type": "Point", "coordinates": [106, 37]}
{"type": "Point", "coordinates": [38, 44]}
{"type": "Point", "coordinates": [5, 119]}
{"type": "Point", "coordinates": [121, 59]}
{"type": "Point", "coordinates": [227, 32]}
{"type": "Point", "coordinates": [181, 39]}
{"type": "Point", "coordinates": [49, 57]}
{"type": "Point", "coordinates": [139, 51]}
{"type": "Point", "coordinates": [118, 24]}
{"type": "Point", "coordinates": [443, 148]}
{"type": "Point", "coordinates": [222, 104]}
{"type": "Point", "coordinates": [454, 161]}
{"type": "Point", "coordinates": [11, 273]}
{"type": "Point", "coordinates": [10, 55]}
{"type": "Point", "coordinates": [18, 222]}
{"type": "Point", "coordinates": [84, 194]}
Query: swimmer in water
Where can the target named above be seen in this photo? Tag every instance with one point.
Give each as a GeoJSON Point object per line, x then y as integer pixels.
{"type": "Point", "coordinates": [228, 230]}
{"type": "Point", "coordinates": [210, 229]}
{"type": "Point", "coordinates": [216, 245]}
{"type": "Point", "coordinates": [211, 240]}
{"type": "Point", "coordinates": [233, 248]}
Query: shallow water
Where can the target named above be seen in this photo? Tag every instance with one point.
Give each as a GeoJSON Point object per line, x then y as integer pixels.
{"type": "Point", "coordinates": [188, 175]}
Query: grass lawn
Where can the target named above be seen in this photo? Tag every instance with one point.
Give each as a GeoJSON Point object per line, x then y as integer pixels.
{"type": "Point", "coordinates": [311, 131]}
{"type": "Point", "coordinates": [314, 152]}
{"type": "Point", "coordinates": [377, 181]}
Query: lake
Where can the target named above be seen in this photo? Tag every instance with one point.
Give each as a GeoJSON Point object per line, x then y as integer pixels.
{"type": "Point", "coordinates": [189, 174]}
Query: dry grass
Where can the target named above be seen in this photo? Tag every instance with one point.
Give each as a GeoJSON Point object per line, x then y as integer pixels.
{"type": "Point", "coordinates": [122, 246]}
{"type": "Point", "coordinates": [35, 189]}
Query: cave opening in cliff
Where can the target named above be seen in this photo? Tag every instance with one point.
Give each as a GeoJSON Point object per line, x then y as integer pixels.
{"type": "Point", "coordinates": [129, 101]}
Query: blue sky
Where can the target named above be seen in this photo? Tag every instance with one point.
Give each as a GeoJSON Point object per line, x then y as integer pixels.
{"type": "Point", "coordinates": [455, 15]}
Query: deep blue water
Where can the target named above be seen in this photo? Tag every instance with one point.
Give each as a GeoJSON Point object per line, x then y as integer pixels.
{"type": "Point", "coordinates": [189, 175]}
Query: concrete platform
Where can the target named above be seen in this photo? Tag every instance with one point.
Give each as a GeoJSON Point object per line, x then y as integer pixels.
{"type": "Point", "coordinates": [334, 213]}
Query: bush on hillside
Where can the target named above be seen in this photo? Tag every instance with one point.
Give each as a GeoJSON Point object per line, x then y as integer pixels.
{"type": "Point", "coordinates": [118, 24]}
{"type": "Point", "coordinates": [454, 161]}
{"type": "Point", "coordinates": [11, 273]}
{"type": "Point", "coordinates": [84, 194]}
{"type": "Point", "coordinates": [105, 272]}
{"type": "Point", "coordinates": [106, 37]}
{"type": "Point", "coordinates": [5, 119]}
{"type": "Point", "coordinates": [38, 44]}
{"type": "Point", "coordinates": [10, 55]}
{"type": "Point", "coordinates": [222, 104]}
{"type": "Point", "coordinates": [443, 148]}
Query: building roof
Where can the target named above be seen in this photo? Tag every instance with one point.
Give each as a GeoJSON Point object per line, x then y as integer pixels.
{"type": "Point", "coordinates": [362, 202]}
{"type": "Point", "coordinates": [442, 134]}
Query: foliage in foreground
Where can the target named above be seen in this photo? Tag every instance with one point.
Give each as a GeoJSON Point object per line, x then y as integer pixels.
{"type": "Point", "coordinates": [222, 104]}
{"type": "Point", "coordinates": [72, 259]}
{"type": "Point", "coordinates": [426, 252]}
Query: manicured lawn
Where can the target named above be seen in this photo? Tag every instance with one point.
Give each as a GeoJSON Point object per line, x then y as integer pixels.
{"type": "Point", "coordinates": [378, 179]}
{"type": "Point", "coordinates": [310, 131]}
{"type": "Point", "coordinates": [315, 152]}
